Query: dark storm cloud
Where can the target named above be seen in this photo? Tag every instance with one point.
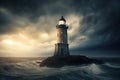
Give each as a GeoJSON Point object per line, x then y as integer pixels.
{"type": "Point", "coordinates": [29, 9]}
{"type": "Point", "coordinates": [35, 8]}
{"type": "Point", "coordinates": [101, 18]}
{"type": "Point", "coordinates": [100, 23]}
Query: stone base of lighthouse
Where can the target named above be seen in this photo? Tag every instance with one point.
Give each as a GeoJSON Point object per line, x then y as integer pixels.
{"type": "Point", "coordinates": [61, 49]}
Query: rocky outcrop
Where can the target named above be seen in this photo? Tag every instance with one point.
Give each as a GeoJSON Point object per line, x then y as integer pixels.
{"type": "Point", "coordinates": [60, 61]}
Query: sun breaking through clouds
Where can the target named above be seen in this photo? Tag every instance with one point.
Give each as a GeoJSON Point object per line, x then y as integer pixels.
{"type": "Point", "coordinates": [27, 27]}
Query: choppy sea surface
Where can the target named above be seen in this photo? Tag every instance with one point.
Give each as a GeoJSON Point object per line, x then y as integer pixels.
{"type": "Point", "coordinates": [28, 69]}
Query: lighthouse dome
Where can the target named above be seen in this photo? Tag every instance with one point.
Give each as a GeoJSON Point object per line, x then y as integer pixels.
{"type": "Point", "coordinates": [62, 21]}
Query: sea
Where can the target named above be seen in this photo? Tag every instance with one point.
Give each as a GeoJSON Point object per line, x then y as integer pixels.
{"type": "Point", "coordinates": [27, 68]}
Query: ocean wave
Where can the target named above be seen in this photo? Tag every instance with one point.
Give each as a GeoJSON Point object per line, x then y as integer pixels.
{"type": "Point", "coordinates": [112, 66]}
{"type": "Point", "coordinates": [30, 70]}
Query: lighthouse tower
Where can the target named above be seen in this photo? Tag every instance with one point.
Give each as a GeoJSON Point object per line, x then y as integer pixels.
{"type": "Point", "coordinates": [61, 47]}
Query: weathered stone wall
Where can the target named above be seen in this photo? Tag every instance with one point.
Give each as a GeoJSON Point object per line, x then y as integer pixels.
{"type": "Point", "coordinates": [61, 47]}
{"type": "Point", "coordinates": [62, 34]}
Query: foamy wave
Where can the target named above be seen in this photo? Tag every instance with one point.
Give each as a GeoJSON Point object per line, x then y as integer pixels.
{"type": "Point", "coordinates": [93, 68]}
{"type": "Point", "coordinates": [112, 66]}
{"type": "Point", "coordinates": [30, 70]}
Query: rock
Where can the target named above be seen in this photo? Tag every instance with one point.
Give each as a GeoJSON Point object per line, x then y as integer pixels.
{"type": "Point", "coordinates": [60, 61]}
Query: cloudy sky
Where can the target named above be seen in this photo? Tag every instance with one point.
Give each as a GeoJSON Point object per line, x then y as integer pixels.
{"type": "Point", "coordinates": [28, 27]}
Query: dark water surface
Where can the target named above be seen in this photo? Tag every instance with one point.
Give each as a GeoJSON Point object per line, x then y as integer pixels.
{"type": "Point", "coordinates": [28, 69]}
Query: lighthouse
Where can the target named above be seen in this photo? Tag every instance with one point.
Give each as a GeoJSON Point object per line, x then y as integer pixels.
{"type": "Point", "coordinates": [62, 56]}
{"type": "Point", "coordinates": [62, 46]}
